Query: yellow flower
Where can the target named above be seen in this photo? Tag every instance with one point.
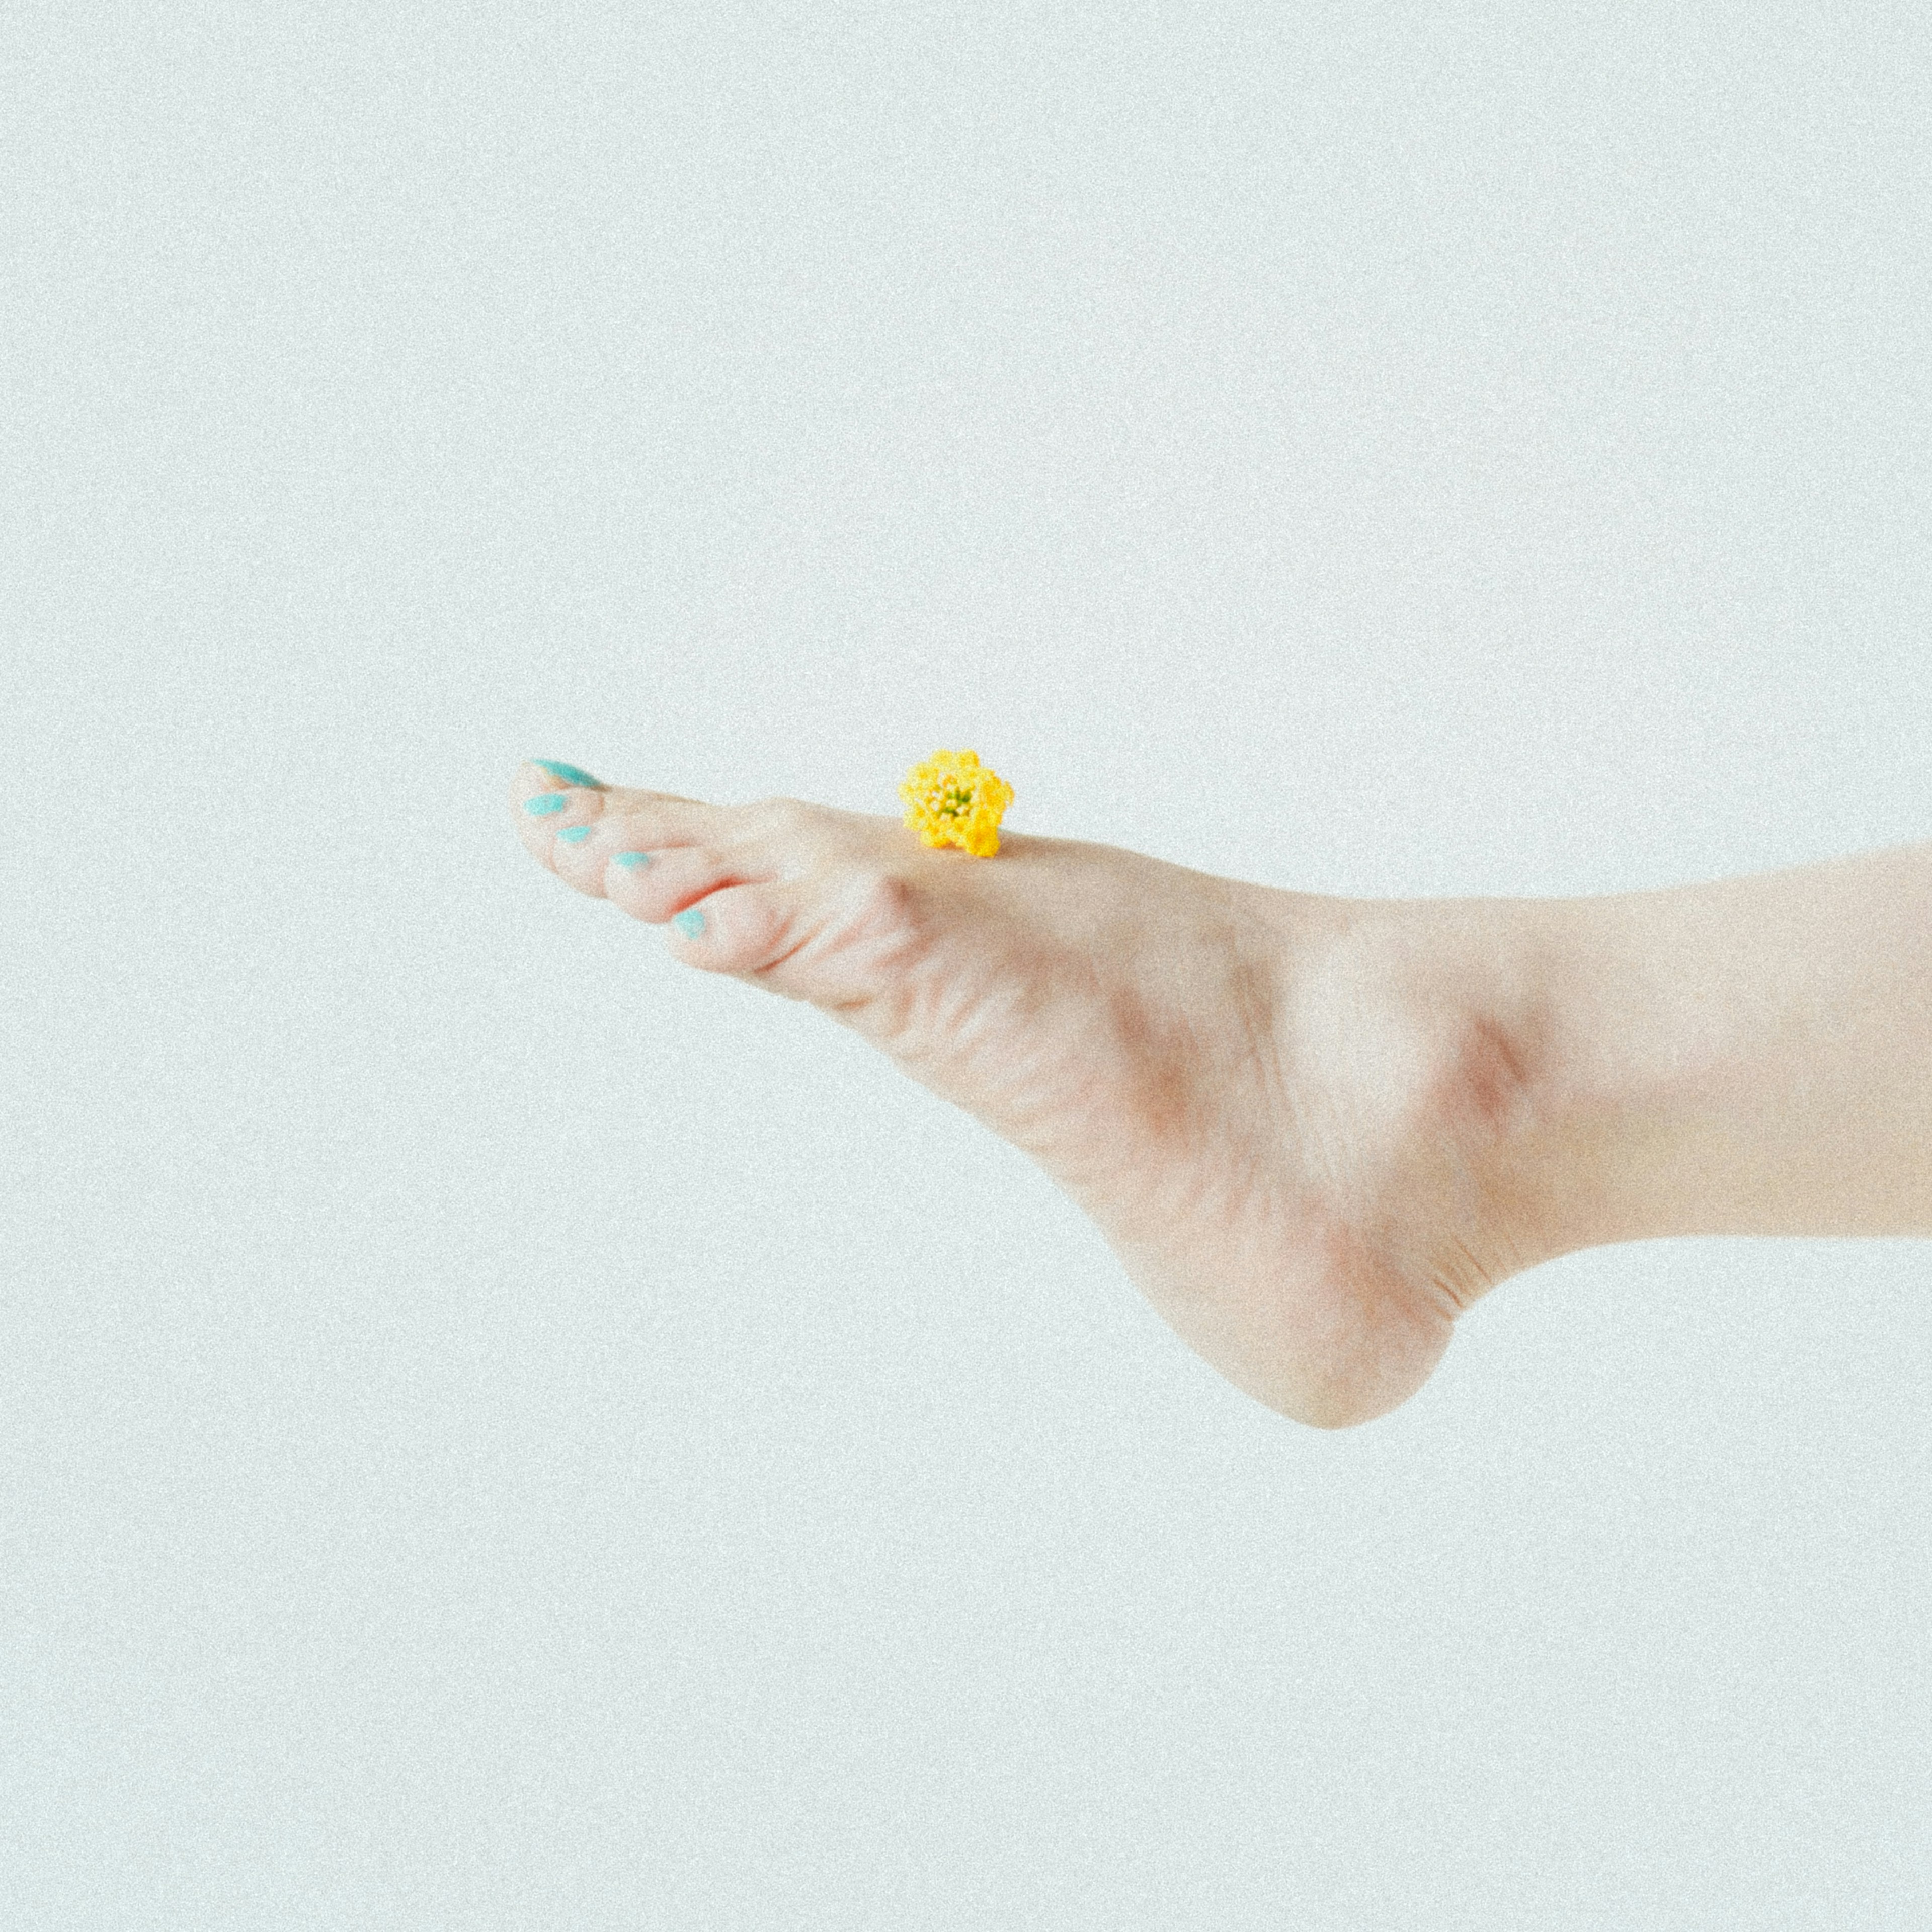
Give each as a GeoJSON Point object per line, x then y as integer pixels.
{"type": "Point", "coordinates": [953, 800]}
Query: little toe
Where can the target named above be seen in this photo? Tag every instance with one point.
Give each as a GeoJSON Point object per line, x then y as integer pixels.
{"type": "Point", "coordinates": [538, 777]}
{"type": "Point", "coordinates": [568, 775]}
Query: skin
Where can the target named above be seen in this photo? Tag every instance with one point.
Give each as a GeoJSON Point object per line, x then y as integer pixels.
{"type": "Point", "coordinates": [1315, 1130]}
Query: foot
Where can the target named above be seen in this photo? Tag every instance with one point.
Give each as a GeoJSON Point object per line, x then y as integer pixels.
{"type": "Point", "coordinates": [1296, 1120]}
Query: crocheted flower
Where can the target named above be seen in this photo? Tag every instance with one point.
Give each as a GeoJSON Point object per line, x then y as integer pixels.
{"type": "Point", "coordinates": [953, 800]}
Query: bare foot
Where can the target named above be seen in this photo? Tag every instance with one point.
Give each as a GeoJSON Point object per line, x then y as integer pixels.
{"type": "Point", "coordinates": [1299, 1121]}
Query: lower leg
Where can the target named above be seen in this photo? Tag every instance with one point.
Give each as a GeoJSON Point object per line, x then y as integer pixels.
{"type": "Point", "coordinates": [1750, 1056]}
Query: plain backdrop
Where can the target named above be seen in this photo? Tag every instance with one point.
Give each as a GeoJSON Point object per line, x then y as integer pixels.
{"type": "Point", "coordinates": [500, 1429]}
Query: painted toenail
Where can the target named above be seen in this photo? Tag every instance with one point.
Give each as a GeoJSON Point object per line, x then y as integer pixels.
{"type": "Point", "coordinates": [631, 861]}
{"type": "Point", "coordinates": [574, 834]}
{"type": "Point", "coordinates": [544, 801]}
{"type": "Point", "coordinates": [690, 923]}
{"type": "Point", "coordinates": [570, 774]}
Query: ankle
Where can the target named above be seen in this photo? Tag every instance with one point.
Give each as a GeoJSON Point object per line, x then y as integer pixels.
{"type": "Point", "coordinates": [1438, 1029]}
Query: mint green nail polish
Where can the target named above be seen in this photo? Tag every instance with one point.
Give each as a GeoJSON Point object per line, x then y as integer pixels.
{"type": "Point", "coordinates": [631, 861]}
{"type": "Point", "coordinates": [574, 834]}
{"type": "Point", "coordinates": [690, 923]}
{"type": "Point", "coordinates": [570, 774]}
{"type": "Point", "coordinates": [545, 802]}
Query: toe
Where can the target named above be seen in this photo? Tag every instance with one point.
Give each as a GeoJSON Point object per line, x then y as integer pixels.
{"type": "Point", "coordinates": [748, 929]}
{"type": "Point", "coordinates": [656, 885]}
{"type": "Point", "coordinates": [812, 902]}
{"type": "Point", "coordinates": [554, 819]}
{"type": "Point", "coordinates": [843, 938]}
{"type": "Point", "coordinates": [575, 828]}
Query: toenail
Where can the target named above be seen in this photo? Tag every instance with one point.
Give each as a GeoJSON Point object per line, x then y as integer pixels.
{"type": "Point", "coordinates": [570, 774]}
{"type": "Point", "coordinates": [631, 861]}
{"type": "Point", "coordinates": [544, 801]}
{"type": "Point", "coordinates": [690, 923]}
{"type": "Point", "coordinates": [574, 834]}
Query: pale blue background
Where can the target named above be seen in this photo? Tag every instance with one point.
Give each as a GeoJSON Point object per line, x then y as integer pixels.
{"type": "Point", "coordinates": [500, 1429]}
